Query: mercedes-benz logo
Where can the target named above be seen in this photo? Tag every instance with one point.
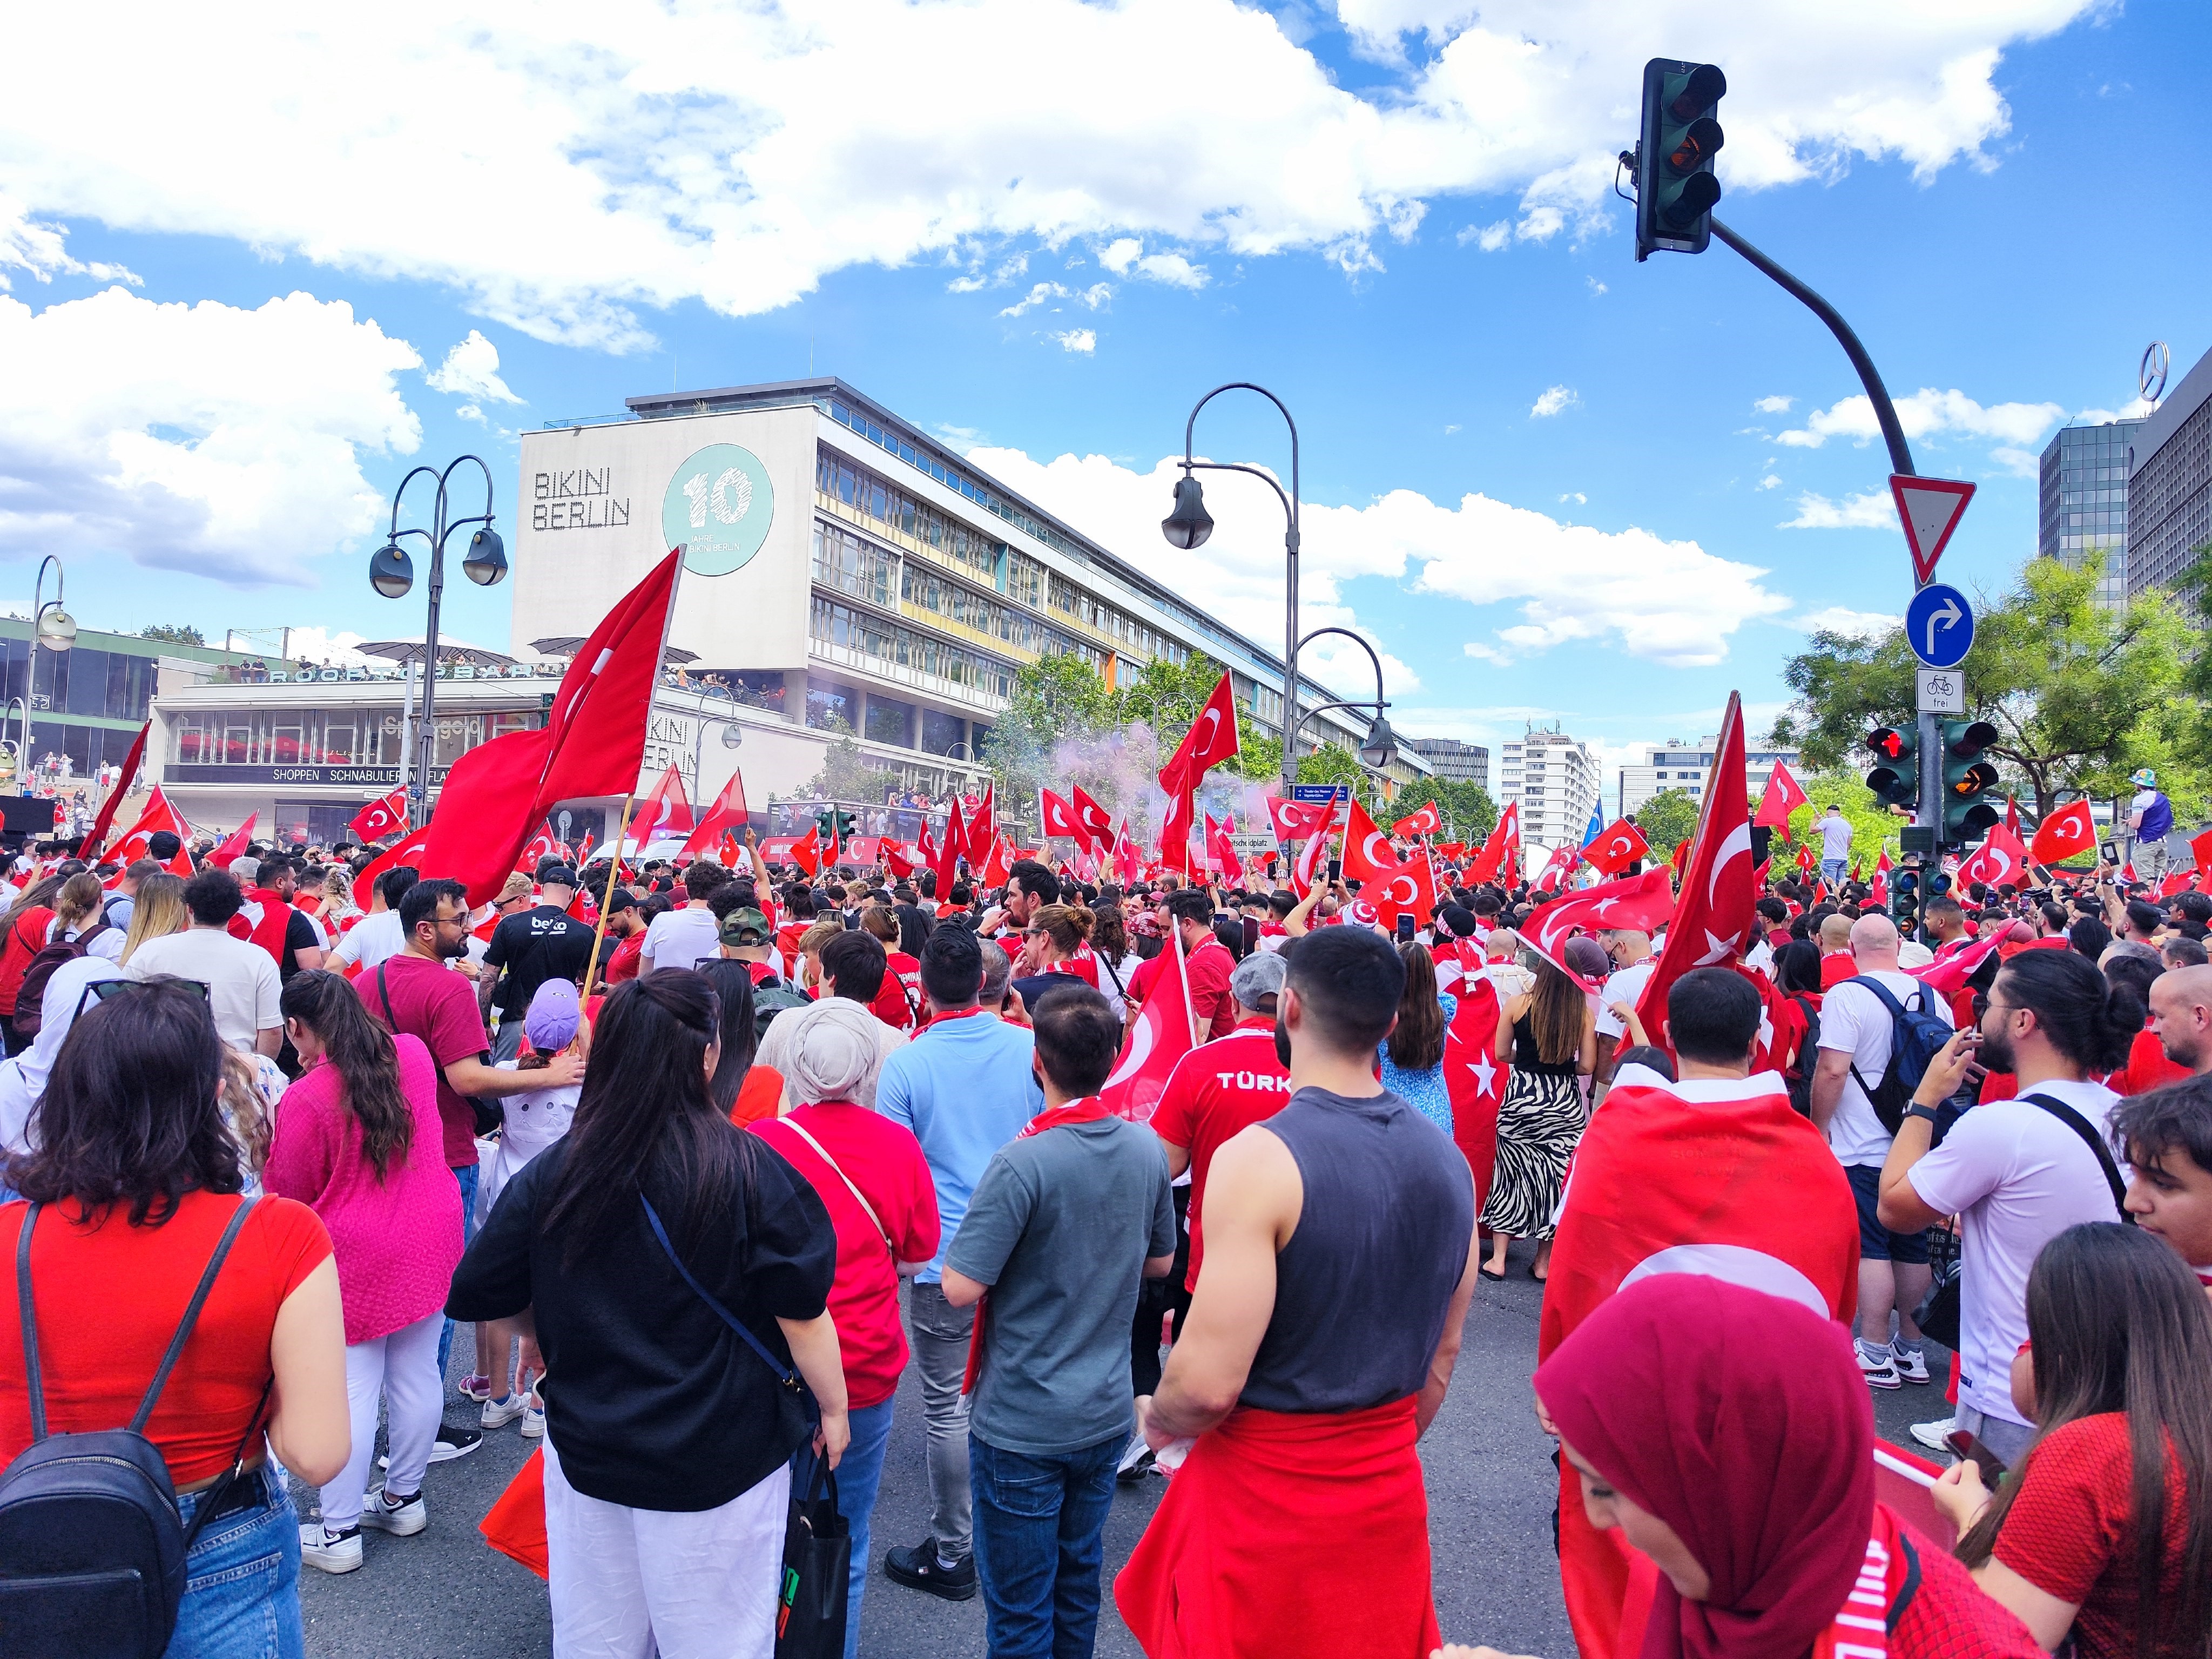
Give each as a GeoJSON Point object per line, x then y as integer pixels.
{"type": "Point", "coordinates": [2151, 372]}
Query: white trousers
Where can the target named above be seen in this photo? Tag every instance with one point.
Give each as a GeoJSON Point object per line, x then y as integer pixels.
{"type": "Point", "coordinates": [401, 1369]}
{"type": "Point", "coordinates": [630, 1583]}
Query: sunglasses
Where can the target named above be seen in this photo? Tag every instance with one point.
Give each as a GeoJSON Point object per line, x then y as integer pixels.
{"type": "Point", "coordinates": [101, 989]}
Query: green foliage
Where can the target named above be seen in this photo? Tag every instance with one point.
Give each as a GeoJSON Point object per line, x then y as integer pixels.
{"type": "Point", "coordinates": [1469, 812]}
{"type": "Point", "coordinates": [172, 633]}
{"type": "Point", "coordinates": [1873, 827]}
{"type": "Point", "coordinates": [847, 774]}
{"type": "Point", "coordinates": [1667, 819]}
{"type": "Point", "coordinates": [2081, 696]}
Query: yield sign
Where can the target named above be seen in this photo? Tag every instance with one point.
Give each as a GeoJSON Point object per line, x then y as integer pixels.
{"type": "Point", "coordinates": [1930, 509]}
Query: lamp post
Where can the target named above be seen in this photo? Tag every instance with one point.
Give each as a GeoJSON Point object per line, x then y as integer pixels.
{"type": "Point", "coordinates": [1189, 526]}
{"type": "Point", "coordinates": [733, 735]}
{"type": "Point", "coordinates": [52, 627]}
{"type": "Point", "coordinates": [1381, 745]}
{"type": "Point", "coordinates": [391, 574]}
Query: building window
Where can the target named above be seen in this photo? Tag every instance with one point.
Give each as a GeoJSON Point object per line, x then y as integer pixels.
{"type": "Point", "coordinates": [942, 733]}
{"type": "Point", "coordinates": [831, 705]}
{"type": "Point", "coordinates": [890, 721]}
{"type": "Point", "coordinates": [876, 498]}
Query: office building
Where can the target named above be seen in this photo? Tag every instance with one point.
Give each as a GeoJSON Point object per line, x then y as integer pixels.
{"type": "Point", "coordinates": [85, 705]}
{"type": "Point", "coordinates": [2083, 503]}
{"type": "Point", "coordinates": [1448, 758]}
{"type": "Point", "coordinates": [2170, 484]}
{"type": "Point", "coordinates": [1684, 766]}
{"type": "Point", "coordinates": [1555, 779]}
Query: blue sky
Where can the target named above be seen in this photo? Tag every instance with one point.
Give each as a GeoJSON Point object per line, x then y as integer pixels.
{"type": "Point", "coordinates": [1044, 229]}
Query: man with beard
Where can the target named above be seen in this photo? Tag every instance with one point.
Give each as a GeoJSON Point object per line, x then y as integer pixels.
{"type": "Point", "coordinates": [2181, 1016]}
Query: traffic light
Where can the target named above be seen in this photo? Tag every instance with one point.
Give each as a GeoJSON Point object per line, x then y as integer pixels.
{"type": "Point", "coordinates": [836, 823]}
{"type": "Point", "coordinates": [1895, 779]}
{"type": "Point", "coordinates": [1904, 899]}
{"type": "Point", "coordinates": [1676, 189]}
{"type": "Point", "coordinates": [1968, 782]}
{"type": "Point", "coordinates": [845, 824]}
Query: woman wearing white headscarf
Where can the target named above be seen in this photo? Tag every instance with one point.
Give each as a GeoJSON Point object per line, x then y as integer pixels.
{"type": "Point", "coordinates": [24, 1079]}
{"type": "Point", "coordinates": [872, 1176]}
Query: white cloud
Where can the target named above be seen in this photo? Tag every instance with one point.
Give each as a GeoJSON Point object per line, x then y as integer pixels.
{"type": "Point", "coordinates": [1551, 400]}
{"type": "Point", "coordinates": [1120, 254]}
{"type": "Point", "coordinates": [635, 155]}
{"type": "Point", "coordinates": [203, 438]}
{"type": "Point", "coordinates": [1174, 269]}
{"type": "Point", "coordinates": [1577, 497]}
{"type": "Point", "coordinates": [2019, 463]}
{"type": "Point", "coordinates": [1453, 428]}
{"type": "Point", "coordinates": [1488, 237]}
{"type": "Point", "coordinates": [1084, 340]}
{"type": "Point", "coordinates": [1927, 413]}
{"type": "Point", "coordinates": [28, 244]}
{"type": "Point", "coordinates": [1777, 405]}
{"type": "Point", "coordinates": [2134, 410]}
{"type": "Point", "coordinates": [1875, 510]}
{"type": "Point", "coordinates": [1089, 298]}
{"type": "Point", "coordinates": [1596, 286]}
{"type": "Point", "coordinates": [1769, 481]}
{"type": "Point", "coordinates": [1853, 624]}
{"type": "Point", "coordinates": [472, 370]}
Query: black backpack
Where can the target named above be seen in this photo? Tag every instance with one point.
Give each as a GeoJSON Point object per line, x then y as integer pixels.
{"type": "Point", "coordinates": [92, 1541]}
{"type": "Point", "coordinates": [771, 997]}
{"type": "Point", "coordinates": [1916, 1037]}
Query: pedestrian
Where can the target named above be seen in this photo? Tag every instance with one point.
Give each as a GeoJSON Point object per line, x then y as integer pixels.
{"type": "Point", "coordinates": [1835, 832]}
{"type": "Point", "coordinates": [78, 920]}
{"type": "Point", "coordinates": [1859, 1019]}
{"type": "Point", "coordinates": [1411, 1060]}
{"type": "Point", "coordinates": [2103, 1535]}
{"type": "Point", "coordinates": [2015, 1172]}
{"type": "Point", "coordinates": [22, 936]}
{"type": "Point", "coordinates": [626, 926]}
{"type": "Point", "coordinates": [242, 979]}
{"type": "Point", "coordinates": [1551, 1032]}
{"type": "Point", "coordinates": [853, 968]}
{"type": "Point", "coordinates": [964, 1086]}
{"type": "Point", "coordinates": [898, 1004]}
{"type": "Point", "coordinates": [871, 1176]}
{"type": "Point", "coordinates": [1206, 963]}
{"type": "Point", "coordinates": [685, 936]}
{"type": "Point", "coordinates": [1068, 1220]}
{"type": "Point", "coordinates": [358, 1141]}
{"type": "Point", "coordinates": [628, 1251]}
{"type": "Point", "coordinates": [528, 948]}
{"type": "Point", "coordinates": [744, 1091]}
{"type": "Point", "coordinates": [378, 936]}
{"type": "Point", "coordinates": [2150, 821]}
{"type": "Point", "coordinates": [132, 1185]}
{"type": "Point", "coordinates": [2181, 1015]}
{"type": "Point", "coordinates": [24, 1079]}
{"type": "Point", "coordinates": [1297, 1522]}
{"type": "Point", "coordinates": [1762, 1524]}
{"type": "Point", "coordinates": [2165, 1138]}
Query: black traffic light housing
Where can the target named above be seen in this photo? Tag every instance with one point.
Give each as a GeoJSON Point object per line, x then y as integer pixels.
{"type": "Point", "coordinates": [1969, 781]}
{"type": "Point", "coordinates": [1676, 189]}
{"type": "Point", "coordinates": [1905, 898]}
{"type": "Point", "coordinates": [1895, 779]}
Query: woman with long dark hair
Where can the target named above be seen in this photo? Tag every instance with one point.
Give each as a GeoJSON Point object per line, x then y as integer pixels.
{"type": "Point", "coordinates": [632, 1252]}
{"type": "Point", "coordinates": [22, 936]}
{"type": "Point", "coordinates": [2106, 1532]}
{"type": "Point", "coordinates": [1412, 1056]}
{"type": "Point", "coordinates": [357, 1140]}
{"type": "Point", "coordinates": [1552, 1034]}
{"type": "Point", "coordinates": [742, 1091]}
{"type": "Point", "coordinates": [133, 1181]}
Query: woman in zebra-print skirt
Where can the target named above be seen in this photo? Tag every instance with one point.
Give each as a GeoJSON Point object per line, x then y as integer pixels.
{"type": "Point", "coordinates": [1553, 1034]}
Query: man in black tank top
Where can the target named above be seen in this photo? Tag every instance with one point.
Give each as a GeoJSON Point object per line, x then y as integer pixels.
{"type": "Point", "coordinates": [1319, 1345]}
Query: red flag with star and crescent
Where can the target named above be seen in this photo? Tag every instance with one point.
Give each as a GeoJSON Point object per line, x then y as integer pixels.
{"type": "Point", "coordinates": [158, 816]}
{"type": "Point", "coordinates": [1618, 845]}
{"type": "Point", "coordinates": [1426, 822]}
{"type": "Point", "coordinates": [1999, 859]}
{"type": "Point", "coordinates": [1475, 1076]}
{"type": "Point", "coordinates": [1496, 859]}
{"type": "Point", "coordinates": [1368, 854]}
{"type": "Point", "coordinates": [1093, 821]}
{"type": "Point", "coordinates": [1409, 890]}
{"type": "Point", "coordinates": [381, 817]}
{"type": "Point", "coordinates": [1641, 902]}
{"type": "Point", "coordinates": [1056, 816]}
{"type": "Point", "coordinates": [2068, 833]}
{"type": "Point", "coordinates": [1714, 918]}
{"type": "Point", "coordinates": [1783, 796]}
{"type": "Point", "coordinates": [1293, 821]}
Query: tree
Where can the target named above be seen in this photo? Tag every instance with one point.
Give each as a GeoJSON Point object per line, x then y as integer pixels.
{"type": "Point", "coordinates": [2081, 696]}
{"type": "Point", "coordinates": [1873, 827]}
{"type": "Point", "coordinates": [1466, 806]}
{"type": "Point", "coordinates": [1667, 819]}
{"type": "Point", "coordinates": [847, 774]}
{"type": "Point", "coordinates": [172, 633]}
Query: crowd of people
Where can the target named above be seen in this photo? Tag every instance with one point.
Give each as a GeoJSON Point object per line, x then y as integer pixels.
{"type": "Point", "coordinates": [705, 1157]}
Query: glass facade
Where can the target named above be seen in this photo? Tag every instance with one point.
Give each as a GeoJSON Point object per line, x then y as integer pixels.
{"type": "Point", "coordinates": [2083, 503]}
{"type": "Point", "coordinates": [876, 498]}
{"type": "Point", "coordinates": [319, 737]}
{"type": "Point", "coordinates": [889, 721]}
{"type": "Point", "coordinates": [896, 649]}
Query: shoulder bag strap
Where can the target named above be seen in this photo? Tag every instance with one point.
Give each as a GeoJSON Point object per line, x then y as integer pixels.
{"type": "Point", "coordinates": [823, 1152]}
{"type": "Point", "coordinates": [27, 1316]}
{"type": "Point", "coordinates": [2080, 1125]}
{"type": "Point", "coordinates": [391, 1019]}
{"type": "Point", "coordinates": [192, 1314]}
{"type": "Point", "coordinates": [1896, 1012]}
{"type": "Point", "coordinates": [784, 1374]}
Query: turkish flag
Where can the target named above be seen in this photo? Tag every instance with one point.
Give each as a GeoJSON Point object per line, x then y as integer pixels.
{"type": "Point", "coordinates": [1175, 828]}
{"type": "Point", "coordinates": [948, 849]}
{"type": "Point", "coordinates": [2200, 850]}
{"type": "Point", "coordinates": [1947, 974]}
{"type": "Point", "coordinates": [158, 817]}
{"type": "Point", "coordinates": [1618, 845]}
{"type": "Point", "coordinates": [2066, 834]}
{"type": "Point", "coordinates": [1221, 850]}
{"type": "Point", "coordinates": [235, 845]}
{"type": "Point", "coordinates": [997, 865]}
{"type": "Point", "coordinates": [1128, 863]}
{"type": "Point", "coordinates": [1724, 1179]}
{"type": "Point", "coordinates": [900, 859]}
{"type": "Point", "coordinates": [1094, 823]}
{"type": "Point", "coordinates": [381, 817]}
{"type": "Point", "coordinates": [407, 850]}
{"type": "Point", "coordinates": [1426, 822]}
{"type": "Point", "coordinates": [1783, 797]}
{"type": "Point", "coordinates": [1058, 818]}
{"type": "Point", "coordinates": [2001, 858]}
{"type": "Point", "coordinates": [540, 845]}
{"type": "Point", "coordinates": [1409, 890]}
{"type": "Point", "coordinates": [1880, 896]}
{"type": "Point", "coordinates": [1553, 876]}
{"type": "Point", "coordinates": [1211, 740]}
{"type": "Point", "coordinates": [666, 812]}
{"type": "Point", "coordinates": [1368, 854]}
{"type": "Point", "coordinates": [727, 813]}
{"type": "Point", "coordinates": [96, 837]}
{"type": "Point", "coordinates": [1496, 859]}
{"type": "Point", "coordinates": [1714, 919]}
{"type": "Point", "coordinates": [1641, 902]}
{"type": "Point", "coordinates": [1293, 821]}
{"type": "Point", "coordinates": [983, 821]}
{"type": "Point", "coordinates": [1806, 861]}
{"type": "Point", "coordinates": [1473, 1078]}
{"type": "Point", "coordinates": [1161, 1033]}
{"type": "Point", "coordinates": [1307, 869]}
{"type": "Point", "coordinates": [806, 851]}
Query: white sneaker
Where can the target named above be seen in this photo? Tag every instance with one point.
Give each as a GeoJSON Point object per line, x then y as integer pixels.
{"type": "Point", "coordinates": [380, 1513]}
{"type": "Point", "coordinates": [498, 1413]}
{"type": "Point", "coordinates": [1878, 1369]}
{"type": "Point", "coordinates": [331, 1552]}
{"type": "Point", "coordinates": [1936, 1436]}
{"type": "Point", "coordinates": [1912, 1363]}
{"type": "Point", "coordinates": [533, 1417]}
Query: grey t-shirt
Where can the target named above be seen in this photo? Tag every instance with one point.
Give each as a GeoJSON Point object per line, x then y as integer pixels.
{"type": "Point", "coordinates": [1059, 1229]}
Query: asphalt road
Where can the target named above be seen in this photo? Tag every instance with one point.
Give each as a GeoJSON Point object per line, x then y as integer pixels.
{"type": "Point", "coordinates": [1491, 1491]}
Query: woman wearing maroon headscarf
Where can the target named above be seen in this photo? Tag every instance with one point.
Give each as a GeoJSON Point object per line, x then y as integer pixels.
{"type": "Point", "coordinates": [1727, 1433]}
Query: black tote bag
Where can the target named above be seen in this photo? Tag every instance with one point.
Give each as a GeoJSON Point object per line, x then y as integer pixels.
{"type": "Point", "coordinates": [818, 1559]}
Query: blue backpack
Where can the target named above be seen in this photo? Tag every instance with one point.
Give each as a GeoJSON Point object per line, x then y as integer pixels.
{"type": "Point", "coordinates": [1916, 1037]}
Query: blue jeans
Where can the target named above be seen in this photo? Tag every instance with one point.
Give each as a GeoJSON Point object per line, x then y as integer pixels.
{"type": "Point", "coordinates": [242, 1580]}
{"type": "Point", "coordinates": [859, 1472]}
{"type": "Point", "coordinates": [1040, 1531]}
{"type": "Point", "coordinates": [1832, 871]}
{"type": "Point", "coordinates": [466, 1175]}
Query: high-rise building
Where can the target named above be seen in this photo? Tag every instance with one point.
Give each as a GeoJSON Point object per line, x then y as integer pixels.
{"type": "Point", "coordinates": [1684, 766]}
{"type": "Point", "coordinates": [1555, 779]}
{"type": "Point", "coordinates": [2084, 502]}
{"type": "Point", "coordinates": [2170, 484]}
{"type": "Point", "coordinates": [1467, 763]}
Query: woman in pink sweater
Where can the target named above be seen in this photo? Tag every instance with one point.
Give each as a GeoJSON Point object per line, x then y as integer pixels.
{"type": "Point", "coordinates": [357, 1140]}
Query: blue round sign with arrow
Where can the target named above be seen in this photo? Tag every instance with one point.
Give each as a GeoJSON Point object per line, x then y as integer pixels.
{"type": "Point", "coordinates": [1940, 625]}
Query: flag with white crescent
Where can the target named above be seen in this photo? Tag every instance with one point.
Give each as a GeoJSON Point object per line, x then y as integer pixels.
{"type": "Point", "coordinates": [1639, 903]}
{"type": "Point", "coordinates": [2068, 833]}
{"type": "Point", "coordinates": [1160, 1034]}
{"type": "Point", "coordinates": [1999, 859]}
{"type": "Point", "coordinates": [1368, 854]}
{"type": "Point", "coordinates": [1618, 845]}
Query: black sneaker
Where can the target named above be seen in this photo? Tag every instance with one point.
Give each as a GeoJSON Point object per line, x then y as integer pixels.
{"type": "Point", "coordinates": [454, 1440]}
{"type": "Point", "coordinates": [920, 1569]}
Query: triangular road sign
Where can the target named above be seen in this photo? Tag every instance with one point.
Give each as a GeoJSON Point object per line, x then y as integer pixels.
{"type": "Point", "coordinates": [1930, 509]}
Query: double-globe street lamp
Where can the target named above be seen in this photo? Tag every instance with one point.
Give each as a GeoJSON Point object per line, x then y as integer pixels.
{"type": "Point", "coordinates": [391, 574]}
{"type": "Point", "coordinates": [56, 629]}
{"type": "Point", "coordinates": [1189, 526]}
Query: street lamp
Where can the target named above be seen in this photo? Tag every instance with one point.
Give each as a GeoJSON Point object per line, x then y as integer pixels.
{"type": "Point", "coordinates": [1380, 747]}
{"type": "Point", "coordinates": [52, 627]}
{"type": "Point", "coordinates": [1190, 525]}
{"type": "Point", "coordinates": [391, 572]}
{"type": "Point", "coordinates": [733, 735]}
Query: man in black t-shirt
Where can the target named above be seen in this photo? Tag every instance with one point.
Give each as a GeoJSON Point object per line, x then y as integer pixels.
{"type": "Point", "coordinates": [527, 950]}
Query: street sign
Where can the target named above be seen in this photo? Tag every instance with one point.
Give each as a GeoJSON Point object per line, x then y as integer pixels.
{"type": "Point", "coordinates": [1939, 626]}
{"type": "Point", "coordinates": [1320, 792]}
{"type": "Point", "coordinates": [1930, 509]}
{"type": "Point", "coordinates": [1942, 691]}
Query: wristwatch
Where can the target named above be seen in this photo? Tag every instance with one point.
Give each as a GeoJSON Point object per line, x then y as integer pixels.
{"type": "Point", "coordinates": [1916, 1109]}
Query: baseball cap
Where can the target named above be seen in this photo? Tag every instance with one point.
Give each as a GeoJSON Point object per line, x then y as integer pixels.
{"type": "Point", "coordinates": [1260, 975]}
{"type": "Point", "coordinates": [746, 926]}
{"type": "Point", "coordinates": [556, 875]}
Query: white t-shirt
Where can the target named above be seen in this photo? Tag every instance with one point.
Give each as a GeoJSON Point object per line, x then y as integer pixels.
{"type": "Point", "coordinates": [241, 978]}
{"type": "Point", "coordinates": [107, 945]}
{"type": "Point", "coordinates": [373, 940]}
{"type": "Point", "coordinates": [2016, 1177]}
{"type": "Point", "coordinates": [1835, 838]}
{"type": "Point", "coordinates": [681, 939]}
{"type": "Point", "coordinates": [1627, 985]}
{"type": "Point", "coordinates": [1853, 1020]}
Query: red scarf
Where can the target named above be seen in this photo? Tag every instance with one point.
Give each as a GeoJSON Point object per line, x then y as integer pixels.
{"type": "Point", "coordinates": [276, 919]}
{"type": "Point", "coordinates": [1089, 1110]}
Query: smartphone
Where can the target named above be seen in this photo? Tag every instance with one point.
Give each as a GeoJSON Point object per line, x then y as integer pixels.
{"type": "Point", "coordinates": [1336, 869]}
{"type": "Point", "coordinates": [1405, 930]}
